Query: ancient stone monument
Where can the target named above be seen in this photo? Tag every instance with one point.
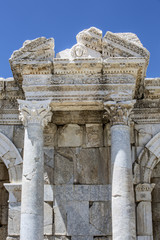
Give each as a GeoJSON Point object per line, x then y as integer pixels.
{"type": "Point", "coordinates": [80, 141]}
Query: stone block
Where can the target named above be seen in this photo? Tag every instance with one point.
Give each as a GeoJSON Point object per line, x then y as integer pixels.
{"type": "Point", "coordinates": [82, 238]}
{"type": "Point", "coordinates": [50, 135]}
{"type": "Point", "coordinates": [143, 135]}
{"type": "Point", "coordinates": [15, 173]}
{"type": "Point", "coordinates": [14, 190]}
{"type": "Point", "coordinates": [107, 135]}
{"type": "Point", "coordinates": [49, 156]}
{"type": "Point", "coordinates": [48, 165]}
{"type": "Point", "coordinates": [92, 166]}
{"type": "Point", "coordinates": [48, 175]}
{"type": "Point", "coordinates": [12, 238]}
{"type": "Point", "coordinates": [64, 166]}
{"type": "Point", "coordinates": [100, 192]}
{"type": "Point", "coordinates": [61, 238]}
{"type": "Point", "coordinates": [18, 136]}
{"type": "Point", "coordinates": [70, 135]}
{"type": "Point", "coordinates": [100, 217]}
{"type": "Point", "coordinates": [155, 128]}
{"type": "Point", "coordinates": [48, 219]}
{"type": "Point", "coordinates": [145, 238]}
{"type": "Point", "coordinates": [14, 219]}
{"type": "Point", "coordinates": [81, 192]}
{"type": "Point", "coordinates": [60, 219]}
{"type": "Point", "coordinates": [94, 135]}
{"type": "Point", "coordinates": [103, 238]}
{"type": "Point", "coordinates": [48, 193]}
{"type": "Point", "coordinates": [7, 130]}
{"type": "Point", "coordinates": [78, 218]}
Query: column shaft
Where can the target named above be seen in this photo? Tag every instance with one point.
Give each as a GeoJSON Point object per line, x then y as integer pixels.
{"type": "Point", "coordinates": [35, 115]}
{"type": "Point", "coordinates": [123, 207]}
{"type": "Point", "coordinates": [32, 184]}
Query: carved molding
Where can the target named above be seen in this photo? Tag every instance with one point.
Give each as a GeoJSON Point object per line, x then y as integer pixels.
{"type": "Point", "coordinates": [35, 112]}
{"type": "Point", "coordinates": [143, 191]}
{"type": "Point", "coordinates": [118, 112]}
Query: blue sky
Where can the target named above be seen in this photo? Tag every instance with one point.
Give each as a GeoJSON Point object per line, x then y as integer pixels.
{"type": "Point", "coordinates": [62, 19]}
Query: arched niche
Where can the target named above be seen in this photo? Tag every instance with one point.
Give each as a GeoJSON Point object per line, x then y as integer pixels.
{"type": "Point", "coordinates": [11, 158]}
{"type": "Point", "coordinates": [144, 168]}
{"type": "Point", "coordinates": [147, 160]}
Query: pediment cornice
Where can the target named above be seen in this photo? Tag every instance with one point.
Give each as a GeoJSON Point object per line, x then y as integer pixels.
{"type": "Point", "coordinates": [96, 68]}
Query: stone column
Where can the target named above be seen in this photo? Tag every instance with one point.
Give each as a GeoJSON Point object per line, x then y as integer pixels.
{"type": "Point", "coordinates": [123, 205]}
{"type": "Point", "coordinates": [144, 211]}
{"type": "Point", "coordinates": [35, 115]}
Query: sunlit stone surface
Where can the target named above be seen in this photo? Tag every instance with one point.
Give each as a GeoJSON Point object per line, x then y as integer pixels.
{"type": "Point", "coordinates": [80, 141]}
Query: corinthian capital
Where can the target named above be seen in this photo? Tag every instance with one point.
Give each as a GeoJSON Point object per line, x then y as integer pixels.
{"type": "Point", "coordinates": [35, 112]}
{"type": "Point", "coordinates": [119, 112]}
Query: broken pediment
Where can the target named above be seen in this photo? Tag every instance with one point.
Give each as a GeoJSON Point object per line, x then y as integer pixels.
{"type": "Point", "coordinates": [91, 44]}
{"type": "Point", "coordinates": [39, 49]}
{"type": "Point", "coordinates": [95, 68]}
{"type": "Point", "coordinates": [123, 45]}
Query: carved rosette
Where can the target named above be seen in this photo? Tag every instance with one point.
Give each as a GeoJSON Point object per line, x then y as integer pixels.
{"type": "Point", "coordinates": [118, 112]}
{"type": "Point", "coordinates": [35, 112]}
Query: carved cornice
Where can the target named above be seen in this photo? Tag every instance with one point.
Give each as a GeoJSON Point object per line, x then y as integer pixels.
{"type": "Point", "coordinates": [118, 112]}
{"type": "Point", "coordinates": [115, 54]}
{"type": "Point", "coordinates": [34, 112]}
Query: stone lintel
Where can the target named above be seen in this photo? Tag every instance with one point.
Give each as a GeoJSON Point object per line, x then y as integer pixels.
{"type": "Point", "coordinates": [15, 191]}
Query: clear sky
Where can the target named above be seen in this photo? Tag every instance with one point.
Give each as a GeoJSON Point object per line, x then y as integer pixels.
{"type": "Point", "coordinates": [62, 19]}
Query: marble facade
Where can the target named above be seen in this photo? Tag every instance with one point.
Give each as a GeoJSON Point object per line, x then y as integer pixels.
{"type": "Point", "coordinates": [80, 141]}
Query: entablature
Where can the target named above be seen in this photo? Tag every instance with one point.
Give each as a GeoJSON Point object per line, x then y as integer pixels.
{"type": "Point", "coordinates": [96, 68]}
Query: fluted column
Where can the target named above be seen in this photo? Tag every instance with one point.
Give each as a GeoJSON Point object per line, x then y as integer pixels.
{"type": "Point", "coordinates": [35, 115]}
{"type": "Point", "coordinates": [144, 211]}
{"type": "Point", "coordinates": [123, 205]}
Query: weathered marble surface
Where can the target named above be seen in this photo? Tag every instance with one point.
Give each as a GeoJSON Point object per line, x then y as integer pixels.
{"type": "Point", "coordinates": [81, 166]}
{"type": "Point", "coordinates": [82, 210]}
{"type": "Point", "coordinates": [77, 142]}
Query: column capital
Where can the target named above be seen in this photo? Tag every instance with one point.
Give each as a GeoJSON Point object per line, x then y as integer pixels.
{"type": "Point", "coordinates": [32, 112]}
{"type": "Point", "coordinates": [143, 191]}
{"type": "Point", "coordinates": [118, 112]}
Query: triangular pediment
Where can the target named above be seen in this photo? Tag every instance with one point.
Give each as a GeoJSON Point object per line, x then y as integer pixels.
{"type": "Point", "coordinates": [123, 45]}
{"type": "Point", "coordinates": [39, 49]}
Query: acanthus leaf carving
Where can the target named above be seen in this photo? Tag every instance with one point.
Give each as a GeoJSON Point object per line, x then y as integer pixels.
{"type": "Point", "coordinates": [35, 112]}
{"type": "Point", "coordinates": [118, 112]}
